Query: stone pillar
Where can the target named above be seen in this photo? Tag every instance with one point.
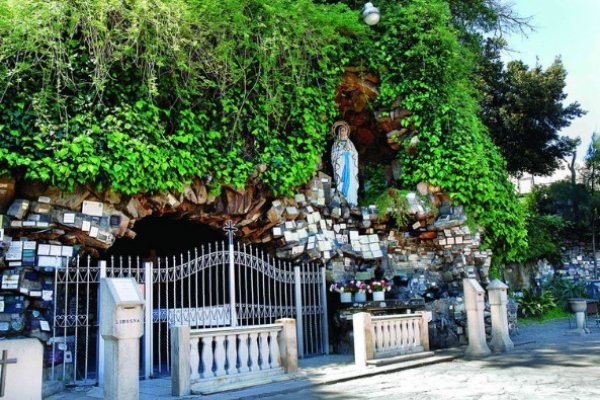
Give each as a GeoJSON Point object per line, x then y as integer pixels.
{"type": "Point", "coordinates": [475, 305]}
{"type": "Point", "coordinates": [498, 299]}
{"type": "Point", "coordinates": [288, 345]}
{"type": "Point", "coordinates": [364, 347]}
{"type": "Point", "coordinates": [121, 326]}
{"type": "Point", "coordinates": [180, 361]}
{"type": "Point", "coordinates": [424, 329]}
{"type": "Point", "coordinates": [21, 363]}
{"type": "Point", "coordinates": [579, 307]}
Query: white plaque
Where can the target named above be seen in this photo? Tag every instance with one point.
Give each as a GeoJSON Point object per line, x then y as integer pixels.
{"type": "Point", "coordinates": [67, 251]}
{"type": "Point", "coordinates": [69, 218]}
{"type": "Point", "coordinates": [15, 251]}
{"type": "Point", "coordinates": [49, 261]}
{"type": "Point", "coordinates": [43, 249]}
{"type": "Point", "coordinates": [44, 325]}
{"type": "Point", "coordinates": [10, 281]}
{"type": "Point", "coordinates": [94, 231]}
{"type": "Point", "coordinates": [86, 226]}
{"type": "Point", "coordinates": [55, 250]}
{"type": "Point", "coordinates": [92, 208]}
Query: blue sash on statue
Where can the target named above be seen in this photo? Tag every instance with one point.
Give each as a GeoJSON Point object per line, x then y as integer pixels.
{"type": "Point", "coordinates": [346, 174]}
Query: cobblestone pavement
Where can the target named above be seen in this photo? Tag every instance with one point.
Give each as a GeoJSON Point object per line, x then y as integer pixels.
{"type": "Point", "coordinates": [546, 364]}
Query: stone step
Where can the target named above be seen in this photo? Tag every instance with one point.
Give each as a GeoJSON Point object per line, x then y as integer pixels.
{"type": "Point", "coordinates": [371, 370]}
{"type": "Point", "coordinates": [418, 363]}
{"type": "Point", "coordinates": [400, 359]}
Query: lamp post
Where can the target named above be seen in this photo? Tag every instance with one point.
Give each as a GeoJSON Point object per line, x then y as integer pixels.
{"type": "Point", "coordinates": [370, 14]}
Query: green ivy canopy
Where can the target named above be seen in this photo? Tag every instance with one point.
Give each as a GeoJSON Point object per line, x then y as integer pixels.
{"type": "Point", "coordinates": [145, 95]}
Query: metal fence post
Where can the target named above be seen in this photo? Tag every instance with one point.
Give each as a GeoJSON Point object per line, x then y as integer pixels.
{"type": "Point", "coordinates": [299, 315]}
{"type": "Point", "coordinates": [231, 229]}
{"type": "Point", "coordinates": [324, 318]}
{"type": "Point", "coordinates": [102, 266]}
{"type": "Point", "coordinates": [148, 355]}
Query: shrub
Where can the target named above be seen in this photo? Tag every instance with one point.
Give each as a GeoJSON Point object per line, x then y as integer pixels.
{"type": "Point", "coordinates": [535, 305]}
{"type": "Point", "coordinates": [563, 290]}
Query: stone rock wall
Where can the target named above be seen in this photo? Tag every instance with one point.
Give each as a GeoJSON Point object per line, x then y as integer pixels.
{"type": "Point", "coordinates": [427, 258]}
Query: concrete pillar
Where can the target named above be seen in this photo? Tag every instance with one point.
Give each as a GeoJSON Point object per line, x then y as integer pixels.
{"type": "Point", "coordinates": [424, 329]}
{"type": "Point", "coordinates": [180, 361]}
{"type": "Point", "coordinates": [288, 345]}
{"type": "Point", "coordinates": [121, 326]}
{"type": "Point", "coordinates": [501, 341]}
{"type": "Point", "coordinates": [475, 305]}
{"type": "Point", "coordinates": [21, 364]}
{"type": "Point", "coordinates": [364, 346]}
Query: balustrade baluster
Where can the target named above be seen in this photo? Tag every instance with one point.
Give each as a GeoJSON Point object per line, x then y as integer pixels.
{"type": "Point", "coordinates": [386, 335]}
{"type": "Point", "coordinates": [411, 334]}
{"type": "Point", "coordinates": [417, 332]}
{"type": "Point", "coordinates": [264, 350]}
{"type": "Point", "coordinates": [243, 352]}
{"type": "Point", "coordinates": [194, 358]}
{"type": "Point", "coordinates": [379, 336]}
{"type": "Point", "coordinates": [207, 357]}
{"type": "Point", "coordinates": [220, 356]}
{"type": "Point", "coordinates": [231, 366]}
{"type": "Point", "coordinates": [254, 352]}
{"type": "Point", "coordinates": [397, 334]}
{"type": "Point", "coordinates": [405, 333]}
{"type": "Point", "coordinates": [274, 349]}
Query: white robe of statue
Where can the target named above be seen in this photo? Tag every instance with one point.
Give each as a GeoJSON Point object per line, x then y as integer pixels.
{"type": "Point", "coordinates": [344, 159]}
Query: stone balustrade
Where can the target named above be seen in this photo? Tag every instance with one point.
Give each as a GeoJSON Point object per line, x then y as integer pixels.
{"type": "Point", "coordinates": [204, 360]}
{"type": "Point", "coordinates": [389, 335]}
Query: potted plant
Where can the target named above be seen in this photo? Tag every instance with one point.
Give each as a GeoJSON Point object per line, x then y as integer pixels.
{"type": "Point", "coordinates": [378, 288]}
{"type": "Point", "coordinates": [359, 289]}
{"type": "Point", "coordinates": [346, 289]}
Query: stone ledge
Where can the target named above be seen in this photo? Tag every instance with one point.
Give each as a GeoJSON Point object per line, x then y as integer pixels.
{"type": "Point", "coordinates": [401, 358]}
{"type": "Point", "coordinates": [227, 383]}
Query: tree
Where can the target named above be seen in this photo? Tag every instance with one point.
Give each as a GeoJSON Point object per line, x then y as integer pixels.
{"type": "Point", "coordinates": [524, 111]}
{"type": "Point", "coordinates": [592, 162]}
{"type": "Point", "coordinates": [572, 144]}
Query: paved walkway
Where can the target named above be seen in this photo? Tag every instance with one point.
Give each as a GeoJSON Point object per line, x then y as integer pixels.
{"type": "Point", "coordinates": [546, 364]}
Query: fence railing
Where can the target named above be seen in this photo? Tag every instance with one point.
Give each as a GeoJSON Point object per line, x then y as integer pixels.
{"type": "Point", "coordinates": [389, 335]}
{"type": "Point", "coordinates": [206, 360]}
{"type": "Point", "coordinates": [196, 289]}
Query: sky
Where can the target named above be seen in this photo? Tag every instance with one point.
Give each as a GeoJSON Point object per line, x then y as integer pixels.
{"type": "Point", "coordinates": [569, 29]}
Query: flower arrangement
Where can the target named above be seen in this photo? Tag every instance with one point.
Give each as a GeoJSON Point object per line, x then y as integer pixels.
{"type": "Point", "coordinates": [349, 287]}
{"type": "Point", "coordinates": [379, 286]}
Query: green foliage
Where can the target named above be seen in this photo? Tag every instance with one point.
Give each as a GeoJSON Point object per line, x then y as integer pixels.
{"type": "Point", "coordinates": [393, 202]}
{"type": "Point", "coordinates": [424, 68]}
{"type": "Point", "coordinates": [533, 304]}
{"type": "Point", "coordinates": [545, 232]}
{"type": "Point", "coordinates": [523, 109]}
{"type": "Point", "coordinates": [144, 95]}
{"type": "Point", "coordinates": [572, 203]}
{"type": "Point", "coordinates": [544, 238]}
{"type": "Point", "coordinates": [374, 183]}
{"type": "Point", "coordinates": [564, 289]}
{"type": "Point", "coordinates": [553, 313]}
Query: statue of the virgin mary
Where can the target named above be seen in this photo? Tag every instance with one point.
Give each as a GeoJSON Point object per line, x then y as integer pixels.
{"type": "Point", "coordinates": [344, 159]}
